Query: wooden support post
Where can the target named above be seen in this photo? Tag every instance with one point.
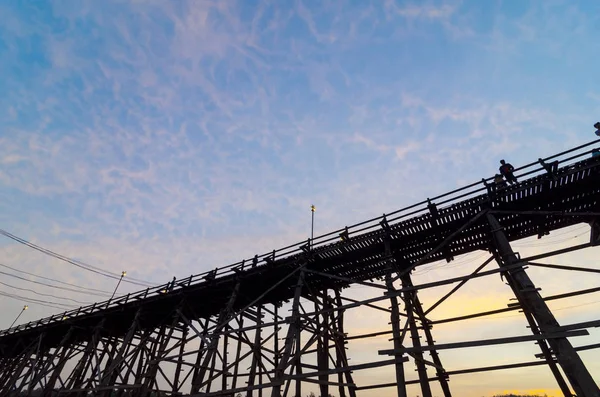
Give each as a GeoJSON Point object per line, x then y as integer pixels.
{"type": "Point", "coordinates": [255, 352]}
{"type": "Point", "coordinates": [36, 367]}
{"type": "Point", "coordinates": [13, 384]}
{"type": "Point", "coordinates": [298, 357]}
{"type": "Point", "coordinates": [322, 322]}
{"type": "Point", "coordinates": [238, 352]}
{"type": "Point", "coordinates": [418, 310]}
{"type": "Point", "coordinates": [290, 338]}
{"type": "Point", "coordinates": [93, 381]}
{"type": "Point", "coordinates": [225, 362]}
{"type": "Point", "coordinates": [8, 365]}
{"type": "Point", "coordinates": [214, 339]}
{"type": "Point", "coordinates": [572, 365]}
{"type": "Point", "coordinates": [138, 356]}
{"type": "Point", "coordinates": [276, 336]}
{"type": "Point", "coordinates": [178, 368]}
{"type": "Point", "coordinates": [409, 302]}
{"type": "Point", "coordinates": [547, 354]}
{"type": "Point", "coordinates": [340, 350]}
{"type": "Point", "coordinates": [78, 375]}
{"type": "Point", "coordinates": [397, 336]}
{"type": "Point", "coordinates": [158, 353]}
{"type": "Point", "coordinates": [110, 375]}
{"type": "Point", "coordinates": [60, 352]}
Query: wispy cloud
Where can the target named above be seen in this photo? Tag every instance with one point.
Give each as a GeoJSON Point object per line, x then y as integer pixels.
{"type": "Point", "coordinates": [168, 138]}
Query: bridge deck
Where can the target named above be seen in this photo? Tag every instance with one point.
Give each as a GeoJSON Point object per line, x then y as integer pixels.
{"type": "Point", "coordinates": [573, 188]}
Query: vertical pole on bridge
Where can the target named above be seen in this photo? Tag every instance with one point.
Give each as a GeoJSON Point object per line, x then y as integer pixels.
{"type": "Point", "coordinates": [322, 323]}
{"type": "Point", "coordinates": [418, 311]}
{"type": "Point", "coordinates": [112, 371]}
{"type": "Point", "coordinates": [77, 377]}
{"type": "Point", "coordinates": [298, 353]}
{"type": "Point", "coordinates": [290, 339]}
{"type": "Point", "coordinates": [409, 302]}
{"type": "Point", "coordinates": [525, 291]}
{"type": "Point", "coordinates": [560, 380]}
{"type": "Point", "coordinates": [22, 360]}
{"type": "Point", "coordinates": [212, 347]}
{"type": "Point", "coordinates": [64, 348]}
{"type": "Point", "coordinates": [340, 349]}
{"type": "Point", "coordinates": [178, 368]}
{"type": "Point", "coordinates": [397, 334]}
{"type": "Point", "coordinates": [256, 353]}
{"type": "Point", "coordinates": [397, 338]}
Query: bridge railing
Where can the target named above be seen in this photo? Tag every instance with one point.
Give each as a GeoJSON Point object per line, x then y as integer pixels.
{"type": "Point", "coordinates": [319, 242]}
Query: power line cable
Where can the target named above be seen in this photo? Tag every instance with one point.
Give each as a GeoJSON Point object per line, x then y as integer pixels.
{"type": "Point", "coordinates": [552, 239]}
{"type": "Point", "coordinates": [54, 305]}
{"type": "Point", "coordinates": [54, 286]}
{"type": "Point", "coordinates": [548, 243]}
{"type": "Point", "coordinates": [87, 289]}
{"type": "Point", "coordinates": [42, 294]}
{"type": "Point", "coordinates": [74, 262]}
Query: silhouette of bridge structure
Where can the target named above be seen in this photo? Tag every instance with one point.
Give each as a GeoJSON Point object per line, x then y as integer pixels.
{"type": "Point", "coordinates": [227, 332]}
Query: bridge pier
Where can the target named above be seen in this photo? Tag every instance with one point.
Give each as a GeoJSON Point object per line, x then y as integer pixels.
{"type": "Point", "coordinates": [414, 304]}
{"type": "Point", "coordinates": [537, 311]}
{"type": "Point", "coordinates": [398, 338]}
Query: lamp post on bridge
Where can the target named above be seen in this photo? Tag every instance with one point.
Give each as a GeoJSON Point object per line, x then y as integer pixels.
{"type": "Point", "coordinates": [24, 308]}
{"type": "Point", "coordinates": [123, 274]}
{"type": "Point", "coordinates": [312, 224]}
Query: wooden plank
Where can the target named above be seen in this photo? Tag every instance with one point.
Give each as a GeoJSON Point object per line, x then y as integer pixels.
{"type": "Point", "coordinates": [487, 342]}
{"type": "Point", "coordinates": [562, 267]}
{"type": "Point", "coordinates": [458, 372]}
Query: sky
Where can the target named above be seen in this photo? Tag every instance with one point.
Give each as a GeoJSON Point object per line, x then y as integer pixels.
{"type": "Point", "coordinates": [168, 138]}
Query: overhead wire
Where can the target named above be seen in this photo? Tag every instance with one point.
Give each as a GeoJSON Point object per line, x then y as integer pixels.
{"type": "Point", "coordinates": [79, 264]}
{"type": "Point", "coordinates": [551, 241]}
{"type": "Point", "coordinates": [87, 289]}
{"type": "Point", "coordinates": [42, 294]}
{"type": "Point", "coordinates": [54, 305]}
{"type": "Point", "coordinates": [54, 286]}
{"type": "Point", "coordinates": [443, 265]}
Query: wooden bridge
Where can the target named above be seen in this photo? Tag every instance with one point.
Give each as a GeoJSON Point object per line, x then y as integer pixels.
{"type": "Point", "coordinates": [173, 339]}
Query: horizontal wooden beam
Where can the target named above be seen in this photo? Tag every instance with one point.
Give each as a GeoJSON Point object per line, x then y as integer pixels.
{"type": "Point", "coordinates": [346, 279]}
{"type": "Point", "coordinates": [544, 213]}
{"type": "Point", "coordinates": [585, 324]}
{"type": "Point", "coordinates": [371, 335]}
{"type": "Point", "coordinates": [486, 342]}
{"type": "Point", "coordinates": [328, 383]}
{"type": "Point", "coordinates": [513, 306]}
{"type": "Point", "coordinates": [557, 252]}
{"type": "Point", "coordinates": [578, 349]}
{"type": "Point", "coordinates": [400, 291]}
{"type": "Point", "coordinates": [459, 372]}
{"type": "Point", "coordinates": [357, 367]}
{"type": "Point", "coordinates": [562, 267]}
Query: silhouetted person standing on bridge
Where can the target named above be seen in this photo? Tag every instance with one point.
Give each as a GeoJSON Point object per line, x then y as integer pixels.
{"type": "Point", "coordinates": [499, 181]}
{"type": "Point", "coordinates": [506, 169]}
{"type": "Point", "coordinates": [597, 127]}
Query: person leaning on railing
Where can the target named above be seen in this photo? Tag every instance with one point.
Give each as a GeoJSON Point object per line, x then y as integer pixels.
{"type": "Point", "coordinates": [597, 127]}
{"type": "Point", "coordinates": [506, 170]}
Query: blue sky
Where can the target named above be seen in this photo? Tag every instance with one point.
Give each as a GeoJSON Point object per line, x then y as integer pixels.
{"type": "Point", "coordinates": [167, 138]}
